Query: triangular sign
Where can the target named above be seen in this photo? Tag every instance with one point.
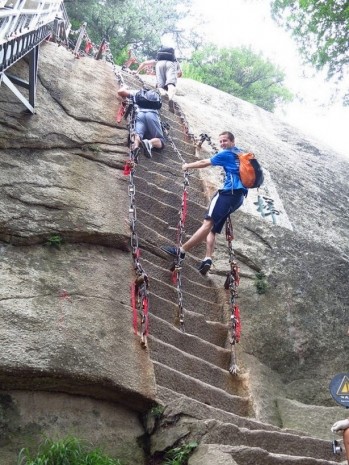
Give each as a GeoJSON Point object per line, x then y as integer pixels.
{"type": "Point", "coordinates": [343, 389]}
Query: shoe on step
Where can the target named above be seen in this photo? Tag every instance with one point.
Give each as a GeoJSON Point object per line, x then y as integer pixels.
{"type": "Point", "coordinates": [171, 106]}
{"type": "Point", "coordinates": [205, 266]}
{"type": "Point", "coordinates": [146, 148]}
{"type": "Point", "coordinates": [173, 251]}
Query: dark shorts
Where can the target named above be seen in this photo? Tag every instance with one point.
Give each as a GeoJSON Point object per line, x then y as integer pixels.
{"type": "Point", "coordinates": [222, 204]}
{"type": "Point", "coordinates": [148, 125]}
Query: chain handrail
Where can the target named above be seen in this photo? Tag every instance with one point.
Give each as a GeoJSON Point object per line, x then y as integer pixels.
{"type": "Point", "coordinates": [177, 266]}
{"type": "Point", "coordinates": [139, 290]}
{"type": "Point", "coordinates": [231, 283]}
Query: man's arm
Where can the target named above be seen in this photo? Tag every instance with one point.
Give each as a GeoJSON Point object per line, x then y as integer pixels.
{"type": "Point", "coordinates": [197, 164]}
{"type": "Point", "coordinates": [144, 65]}
{"type": "Point", "coordinates": [179, 70]}
{"type": "Point", "coordinates": [124, 92]}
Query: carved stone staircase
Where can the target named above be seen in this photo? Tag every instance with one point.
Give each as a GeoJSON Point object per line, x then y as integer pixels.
{"type": "Point", "coordinates": [202, 401]}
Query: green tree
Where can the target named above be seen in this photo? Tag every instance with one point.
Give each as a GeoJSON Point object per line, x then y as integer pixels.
{"type": "Point", "coordinates": [123, 23]}
{"type": "Point", "coordinates": [240, 72]}
{"type": "Point", "coordinates": [321, 29]}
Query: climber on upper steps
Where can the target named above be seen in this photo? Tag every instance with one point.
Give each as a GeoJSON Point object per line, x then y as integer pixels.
{"type": "Point", "coordinates": [167, 70]}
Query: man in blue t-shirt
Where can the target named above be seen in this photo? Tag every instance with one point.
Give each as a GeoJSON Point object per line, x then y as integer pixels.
{"type": "Point", "coordinates": [223, 203]}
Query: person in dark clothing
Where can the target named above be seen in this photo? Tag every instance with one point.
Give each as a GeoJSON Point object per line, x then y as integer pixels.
{"type": "Point", "coordinates": [148, 130]}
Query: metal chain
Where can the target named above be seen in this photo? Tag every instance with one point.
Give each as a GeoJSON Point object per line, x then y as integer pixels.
{"type": "Point", "coordinates": [140, 294]}
{"type": "Point", "coordinates": [177, 265]}
{"type": "Point", "coordinates": [231, 284]}
{"type": "Point", "coordinates": [205, 137]}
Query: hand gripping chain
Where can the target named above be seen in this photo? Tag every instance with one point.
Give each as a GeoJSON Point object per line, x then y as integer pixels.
{"type": "Point", "coordinates": [231, 283]}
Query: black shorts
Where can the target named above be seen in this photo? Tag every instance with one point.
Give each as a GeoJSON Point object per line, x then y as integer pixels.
{"type": "Point", "coordinates": [222, 204]}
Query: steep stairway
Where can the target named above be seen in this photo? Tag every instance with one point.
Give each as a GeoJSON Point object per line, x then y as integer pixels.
{"type": "Point", "coordinates": [202, 401]}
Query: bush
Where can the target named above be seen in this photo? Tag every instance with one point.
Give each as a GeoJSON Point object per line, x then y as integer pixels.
{"type": "Point", "coordinates": [68, 451]}
{"type": "Point", "coordinates": [261, 283]}
{"type": "Point", "coordinates": [180, 455]}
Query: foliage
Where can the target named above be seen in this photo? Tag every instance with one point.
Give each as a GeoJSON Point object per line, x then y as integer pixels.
{"type": "Point", "coordinates": [68, 451]}
{"type": "Point", "coordinates": [321, 29]}
{"type": "Point", "coordinates": [157, 411]}
{"type": "Point", "coordinates": [140, 24]}
{"type": "Point", "coordinates": [240, 72]}
{"type": "Point", "coordinates": [55, 241]}
{"type": "Point", "coordinates": [261, 283]}
{"type": "Point", "coordinates": [180, 455]}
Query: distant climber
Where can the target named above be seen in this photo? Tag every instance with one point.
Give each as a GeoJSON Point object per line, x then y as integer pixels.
{"type": "Point", "coordinates": [167, 70]}
{"type": "Point", "coordinates": [224, 202]}
{"type": "Point", "coordinates": [148, 130]}
{"type": "Point", "coordinates": [343, 425]}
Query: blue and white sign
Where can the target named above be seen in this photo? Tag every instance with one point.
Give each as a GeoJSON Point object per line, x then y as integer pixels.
{"type": "Point", "coordinates": [339, 389]}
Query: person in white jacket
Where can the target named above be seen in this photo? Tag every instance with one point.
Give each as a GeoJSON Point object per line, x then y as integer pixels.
{"type": "Point", "coordinates": [343, 425]}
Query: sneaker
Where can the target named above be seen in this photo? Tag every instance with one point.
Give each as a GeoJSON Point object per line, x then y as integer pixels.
{"type": "Point", "coordinates": [173, 251]}
{"type": "Point", "coordinates": [205, 266]}
{"type": "Point", "coordinates": [171, 105]}
{"type": "Point", "coordinates": [146, 148]}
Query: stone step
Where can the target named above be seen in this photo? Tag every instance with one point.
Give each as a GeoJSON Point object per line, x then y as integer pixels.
{"type": "Point", "coordinates": [153, 198]}
{"type": "Point", "coordinates": [195, 367]}
{"type": "Point", "coordinates": [160, 163]}
{"type": "Point", "coordinates": [211, 431]}
{"type": "Point", "coordinates": [146, 201]}
{"type": "Point", "coordinates": [198, 286]}
{"type": "Point", "coordinates": [210, 395]}
{"type": "Point", "coordinates": [275, 442]}
{"type": "Point", "coordinates": [211, 311]}
{"type": "Point", "coordinates": [195, 190]}
{"type": "Point", "coordinates": [197, 336]}
{"type": "Point", "coordinates": [208, 454]}
{"type": "Point", "coordinates": [181, 405]}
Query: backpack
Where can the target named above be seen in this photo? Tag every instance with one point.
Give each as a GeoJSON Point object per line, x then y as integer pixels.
{"type": "Point", "coordinates": [150, 99]}
{"type": "Point", "coordinates": [166, 53]}
{"type": "Point", "coordinates": [251, 173]}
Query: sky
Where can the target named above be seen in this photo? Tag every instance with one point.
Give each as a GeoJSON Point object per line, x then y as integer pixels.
{"type": "Point", "coordinates": [248, 22]}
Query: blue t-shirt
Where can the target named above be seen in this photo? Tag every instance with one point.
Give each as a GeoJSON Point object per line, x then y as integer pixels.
{"type": "Point", "coordinates": [230, 163]}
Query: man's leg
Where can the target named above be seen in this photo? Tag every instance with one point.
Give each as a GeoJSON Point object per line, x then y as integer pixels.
{"type": "Point", "coordinates": [210, 243]}
{"type": "Point", "coordinates": [137, 142]}
{"type": "Point", "coordinates": [171, 90]}
{"type": "Point", "coordinates": [156, 143]}
{"type": "Point", "coordinates": [199, 236]}
{"type": "Point", "coordinates": [346, 442]}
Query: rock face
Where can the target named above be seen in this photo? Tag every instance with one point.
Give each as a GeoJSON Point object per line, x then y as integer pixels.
{"type": "Point", "coordinates": [66, 268]}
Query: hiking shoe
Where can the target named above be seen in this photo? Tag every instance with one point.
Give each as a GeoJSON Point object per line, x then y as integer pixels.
{"type": "Point", "coordinates": [173, 251]}
{"type": "Point", "coordinates": [146, 148]}
{"type": "Point", "coordinates": [205, 266]}
{"type": "Point", "coordinates": [171, 105]}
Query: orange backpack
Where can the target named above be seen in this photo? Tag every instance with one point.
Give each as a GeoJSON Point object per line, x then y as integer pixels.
{"type": "Point", "coordinates": [251, 173]}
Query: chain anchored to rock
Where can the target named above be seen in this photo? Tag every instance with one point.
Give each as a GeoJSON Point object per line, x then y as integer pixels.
{"type": "Point", "coordinates": [231, 284]}
{"type": "Point", "coordinates": [139, 288]}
